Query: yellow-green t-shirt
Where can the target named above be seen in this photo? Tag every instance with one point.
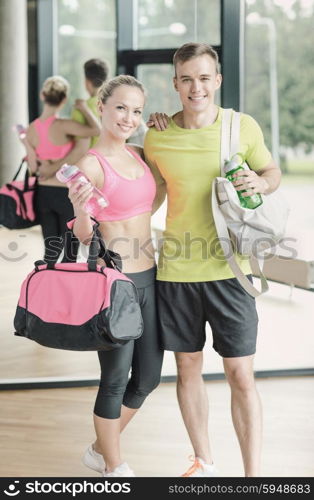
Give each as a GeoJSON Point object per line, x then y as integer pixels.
{"type": "Point", "coordinates": [188, 160]}
{"type": "Point", "coordinates": [80, 118]}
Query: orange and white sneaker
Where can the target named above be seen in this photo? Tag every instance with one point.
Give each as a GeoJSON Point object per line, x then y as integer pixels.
{"type": "Point", "coordinates": [201, 469]}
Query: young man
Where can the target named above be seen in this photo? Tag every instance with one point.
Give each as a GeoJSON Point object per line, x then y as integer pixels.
{"type": "Point", "coordinates": [195, 284]}
{"type": "Point", "coordinates": [96, 73]}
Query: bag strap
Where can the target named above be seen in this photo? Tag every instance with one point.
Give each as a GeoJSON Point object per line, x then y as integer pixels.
{"type": "Point", "coordinates": [225, 139]}
{"type": "Point", "coordinates": [230, 140]}
{"type": "Point", "coordinates": [97, 248]}
{"type": "Point", "coordinates": [19, 169]}
{"type": "Point", "coordinates": [112, 259]}
{"type": "Point", "coordinates": [93, 250]}
{"type": "Point", "coordinates": [230, 136]}
{"type": "Point", "coordinates": [227, 248]}
{"type": "Point", "coordinates": [26, 176]}
{"type": "Point", "coordinates": [235, 133]}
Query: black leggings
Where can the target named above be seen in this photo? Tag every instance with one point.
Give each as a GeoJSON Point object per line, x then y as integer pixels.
{"type": "Point", "coordinates": [54, 209]}
{"type": "Point", "coordinates": [143, 356]}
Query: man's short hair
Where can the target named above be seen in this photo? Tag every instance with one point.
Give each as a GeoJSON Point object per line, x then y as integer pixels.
{"type": "Point", "coordinates": [190, 50]}
{"type": "Point", "coordinates": [96, 71]}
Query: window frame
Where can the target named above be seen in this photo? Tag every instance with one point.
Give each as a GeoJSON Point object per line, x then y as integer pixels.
{"type": "Point", "coordinates": [230, 51]}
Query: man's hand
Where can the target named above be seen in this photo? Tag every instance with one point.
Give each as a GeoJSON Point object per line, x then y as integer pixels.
{"type": "Point", "coordinates": [80, 104]}
{"type": "Point", "coordinates": [158, 120]}
{"type": "Point", "coordinates": [250, 182]}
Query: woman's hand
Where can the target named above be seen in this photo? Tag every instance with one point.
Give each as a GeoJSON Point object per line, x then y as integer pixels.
{"type": "Point", "coordinates": [250, 182]}
{"type": "Point", "coordinates": [79, 194]}
{"type": "Point", "coordinates": [158, 120]}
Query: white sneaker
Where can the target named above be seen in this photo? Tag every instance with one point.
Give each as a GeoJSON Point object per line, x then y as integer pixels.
{"type": "Point", "coordinates": [123, 470]}
{"type": "Point", "coordinates": [201, 469]}
{"type": "Point", "coordinates": [93, 460]}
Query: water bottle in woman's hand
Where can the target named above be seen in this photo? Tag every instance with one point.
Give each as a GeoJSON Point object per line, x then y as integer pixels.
{"type": "Point", "coordinates": [72, 174]}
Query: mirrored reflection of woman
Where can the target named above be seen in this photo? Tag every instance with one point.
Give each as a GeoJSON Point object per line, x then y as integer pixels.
{"type": "Point", "coordinates": [50, 138]}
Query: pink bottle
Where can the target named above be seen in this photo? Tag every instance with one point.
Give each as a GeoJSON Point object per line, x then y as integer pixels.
{"type": "Point", "coordinates": [71, 174]}
{"type": "Point", "coordinates": [21, 130]}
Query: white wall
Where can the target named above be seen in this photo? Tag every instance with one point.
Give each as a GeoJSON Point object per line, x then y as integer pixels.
{"type": "Point", "coordinates": [13, 83]}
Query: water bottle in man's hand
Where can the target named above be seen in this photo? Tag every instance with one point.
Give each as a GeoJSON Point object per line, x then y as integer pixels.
{"type": "Point", "coordinates": [230, 168]}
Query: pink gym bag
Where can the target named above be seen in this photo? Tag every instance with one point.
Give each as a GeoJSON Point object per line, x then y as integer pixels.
{"type": "Point", "coordinates": [79, 306]}
{"type": "Point", "coordinates": [17, 201]}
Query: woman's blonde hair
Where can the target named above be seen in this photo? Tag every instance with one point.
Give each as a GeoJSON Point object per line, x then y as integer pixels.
{"type": "Point", "coordinates": [107, 88]}
{"type": "Point", "coordinates": [55, 89]}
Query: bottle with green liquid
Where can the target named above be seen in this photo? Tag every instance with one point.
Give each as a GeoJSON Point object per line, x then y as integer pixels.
{"type": "Point", "coordinates": [235, 165]}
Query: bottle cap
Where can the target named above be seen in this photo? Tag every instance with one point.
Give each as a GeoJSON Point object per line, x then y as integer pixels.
{"type": "Point", "coordinates": [66, 172]}
{"type": "Point", "coordinates": [236, 161]}
{"type": "Point", "coordinates": [20, 129]}
{"type": "Point", "coordinates": [102, 202]}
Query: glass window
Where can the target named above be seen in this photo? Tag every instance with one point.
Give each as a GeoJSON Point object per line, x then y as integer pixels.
{"type": "Point", "coordinates": [161, 95]}
{"type": "Point", "coordinates": [278, 88]}
{"type": "Point", "coordinates": [85, 30]}
{"type": "Point", "coordinates": [171, 23]}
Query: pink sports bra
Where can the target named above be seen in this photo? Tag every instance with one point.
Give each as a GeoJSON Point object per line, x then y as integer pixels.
{"type": "Point", "coordinates": [46, 150]}
{"type": "Point", "coordinates": [127, 197]}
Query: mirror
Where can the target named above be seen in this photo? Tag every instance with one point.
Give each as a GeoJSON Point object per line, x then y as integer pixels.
{"type": "Point", "coordinates": [283, 311]}
{"type": "Point", "coordinates": [23, 361]}
{"type": "Point", "coordinates": [22, 358]}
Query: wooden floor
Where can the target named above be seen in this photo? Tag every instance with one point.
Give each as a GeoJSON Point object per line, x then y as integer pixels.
{"type": "Point", "coordinates": [44, 432]}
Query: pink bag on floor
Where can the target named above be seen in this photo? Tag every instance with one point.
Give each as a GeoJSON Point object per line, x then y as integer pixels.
{"type": "Point", "coordinates": [17, 199]}
{"type": "Point", "coordinates": [79, 306]}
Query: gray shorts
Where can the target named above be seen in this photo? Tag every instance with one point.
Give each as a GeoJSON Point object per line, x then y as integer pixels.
{"type": "Point", "coordinates": [184, 308]}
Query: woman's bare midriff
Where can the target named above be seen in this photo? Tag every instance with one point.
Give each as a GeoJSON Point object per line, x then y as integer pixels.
{"type": "Point", "coordinates": [131, 239]}
{"type": "Point", "coordinates": [52, 181]}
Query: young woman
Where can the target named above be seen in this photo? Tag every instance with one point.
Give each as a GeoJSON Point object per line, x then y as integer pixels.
{"type": "Point", "coordinates": [51, 138]}
{"type": "Point", "coordinates": [127, 183]}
